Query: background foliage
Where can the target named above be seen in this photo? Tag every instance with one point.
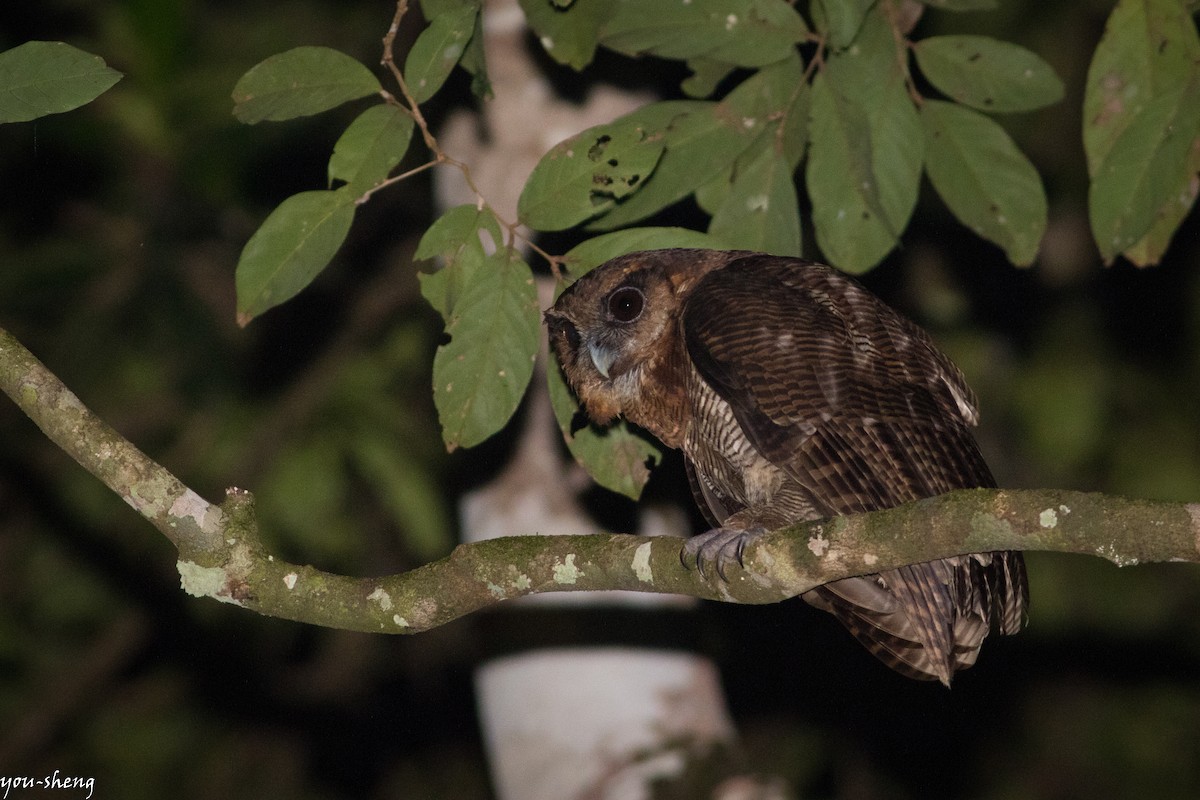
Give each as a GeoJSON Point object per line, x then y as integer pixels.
{"type": "Point", "coordinates": [120, 233]}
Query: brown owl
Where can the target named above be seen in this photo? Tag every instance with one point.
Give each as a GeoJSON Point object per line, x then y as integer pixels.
{"type": "Point", "coordinates": [795, 394]}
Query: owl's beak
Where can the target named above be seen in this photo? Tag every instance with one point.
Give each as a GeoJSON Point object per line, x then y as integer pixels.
{"type": "Point", "coordinates": [602, 357]}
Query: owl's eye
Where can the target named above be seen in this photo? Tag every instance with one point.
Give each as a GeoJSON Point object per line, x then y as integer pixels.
{"type": "Point", "coordinates": [625, 304]}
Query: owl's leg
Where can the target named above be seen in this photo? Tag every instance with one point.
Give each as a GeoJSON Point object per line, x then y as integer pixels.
{"type": "Point", "coordinates": [720, 546]}
{"type": "Point", "coordinates": [726, 543]}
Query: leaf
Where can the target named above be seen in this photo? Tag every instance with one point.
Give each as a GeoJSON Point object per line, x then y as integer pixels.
{"type": "Point", "coordinates": [699, 141]}
{"type": "Point", "coordinates": [1142, 172]}
{"type": "Point", "coordinates": [474, 61]}
{"type": "Point", "coordinates": [617, 458]}
{"type": "Point", "coordinates": [864, 181]}
{"type": "Point", "coordinates": [1150, 249]}
{"type": "Point", "coordinates": [370, 147]}
{"type": "Point", "coordinates": [480, 375]}
{"type": "Point", "coordinates": [404, 487]}
{"type": "Point", "coordinates": [584, 257]}
{"type": "Point", "coordinates": [585, 175]}
{"type": "Point", "coordinates": [455, 239]}
{"type": "Point", "coordinates": [748, 33]}
{"type": "Point", "coordinates": [705, 77]}
{"type": "Point", "coordinates": [773, 96]}
{"type": "Point", "coordinates": [290, 248]}
{"type": "Point", "coordinates": [987, 73]}
{"type": "Point", "coordinates": [761, 211]}
{"type": "Point", "coordinates": [299, 83]}
{"type": "Point", "coordinates": [840, 20]}
{"type": "Point", "coordinates": [437, 49]}
{"type": "Point", "coordinates": [984, 179]}
{"type": "Point", "coordinates": [1149, 50]}
{"type": "Point", "coordinates": [40, 78]}
{"type": "Point", "coordinates": [705, 139]}
{"type": "Point", "coordinates": [570, 34]}
{"type": "Point", "coordinates": [852, 226]}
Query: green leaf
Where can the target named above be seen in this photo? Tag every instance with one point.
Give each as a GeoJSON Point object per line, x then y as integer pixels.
{"type": "Point", "coordinates": [617, 458]}
{"type": "Point", "coordinates": [704, 139]}
{"type": "Point", "coordinates": [984, 179]}
{"type": "Point", "coordinates": [437, 49]}
{"type": "Point", "coordinates": [1142, 172]}
{"type": "Point", "coordinates": [40, 78]}
{"type": "Point", "coordinates": [569, 34]}
{"type": "Point", "coordinates": [480, 375]}
{"type": "Point", "coordinates": [370, 147]}
{"type": "Point", "coordinates": [706, 75]}
{"type": "Point", "coordinates": [1150, 249]}
{"type": "Point", "coordinates": [840, 20]}
{"type": "Point", "coordinates": [593, 252]}
{"type": "Point", "coordinates": [864, 182]}
{"type": "Point", "coordinates": [774, 96]}
{"type": "Point", "coordinates": [474, 61]}
{"type": "Point", "coordinates": [404, 487]}
{"type": "Point", "coordinates": [761, 211]}
{"type": "Point", "coordinates": [1149, 50]}
{"type": "Point", "coordinates": [699, 141]}
{"type": "Point", "coordinates": [455, 239]}
{"type": "Point", "coordinates": [987, 73]}
{"type": "Point", "coordinates": [852, 225]}
{"type": "Point", "coordinates": [748, 33]}
{"type": "Point", "coordinates": [586, 174]}
{"type": "Point", "coordinates": [290, 248]}
{"type": "Point", "coordinates": [299, 83]}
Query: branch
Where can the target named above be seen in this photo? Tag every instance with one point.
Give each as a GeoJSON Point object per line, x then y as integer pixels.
{"type": "Point", "coordinates": [221, 554]}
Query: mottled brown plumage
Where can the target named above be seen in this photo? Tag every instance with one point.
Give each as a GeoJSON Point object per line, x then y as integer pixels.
{"type": "Point", "coordinates": [795, 394]}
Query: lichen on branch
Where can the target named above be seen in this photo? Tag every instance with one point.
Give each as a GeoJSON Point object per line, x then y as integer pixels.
{"type": "Point", "coordinates": [221, 554]}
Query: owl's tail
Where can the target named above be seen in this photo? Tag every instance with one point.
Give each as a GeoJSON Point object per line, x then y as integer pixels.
{"type": "Point", "coordinates": [928, 621]}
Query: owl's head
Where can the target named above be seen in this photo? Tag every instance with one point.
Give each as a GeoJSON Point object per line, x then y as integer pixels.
{"type": "Point", "coordinates": [618, 325]}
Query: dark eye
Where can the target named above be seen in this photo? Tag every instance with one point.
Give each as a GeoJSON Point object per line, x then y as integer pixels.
{"type": "Point", "coordinates": [625, 304]}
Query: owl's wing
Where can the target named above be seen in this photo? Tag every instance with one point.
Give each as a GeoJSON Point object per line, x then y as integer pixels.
{"type": "Point", "coordinates": [857, 406]}
{"type": "Point", "coordinates": [831, 385]}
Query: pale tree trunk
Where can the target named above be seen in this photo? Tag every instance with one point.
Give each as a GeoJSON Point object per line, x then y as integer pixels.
{"type": "Point", "coordinates": [566, 722]}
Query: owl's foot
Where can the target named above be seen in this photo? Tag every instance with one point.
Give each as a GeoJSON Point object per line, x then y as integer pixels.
{"type": "Point", "coordinates": [720, 546]}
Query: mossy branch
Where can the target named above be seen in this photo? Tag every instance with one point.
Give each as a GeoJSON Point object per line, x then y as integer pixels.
{"type": "Point", "coordinates": [221, 554]}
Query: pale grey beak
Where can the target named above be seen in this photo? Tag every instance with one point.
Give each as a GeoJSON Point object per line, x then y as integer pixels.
{"type": "Point", "coordinates": [602, 357]}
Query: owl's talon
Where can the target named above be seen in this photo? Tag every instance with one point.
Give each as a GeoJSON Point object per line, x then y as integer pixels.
{"type": "Point", "coordinates": [720, 547]}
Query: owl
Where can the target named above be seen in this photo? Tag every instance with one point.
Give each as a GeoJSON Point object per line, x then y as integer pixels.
{"type": "Point", "coordinates": [795, 394]}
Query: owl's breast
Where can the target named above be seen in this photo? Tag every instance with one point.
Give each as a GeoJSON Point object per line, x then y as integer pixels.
{"type": "Point", "coordinates": [731, 472]}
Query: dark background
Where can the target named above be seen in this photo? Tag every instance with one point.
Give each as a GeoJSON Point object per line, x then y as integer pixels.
{"type": "Point", "coordinates": [120, 225]}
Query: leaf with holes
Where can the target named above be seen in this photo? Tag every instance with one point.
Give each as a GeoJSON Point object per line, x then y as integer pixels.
{"type": "Point", "coordinates": [588, 173]}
